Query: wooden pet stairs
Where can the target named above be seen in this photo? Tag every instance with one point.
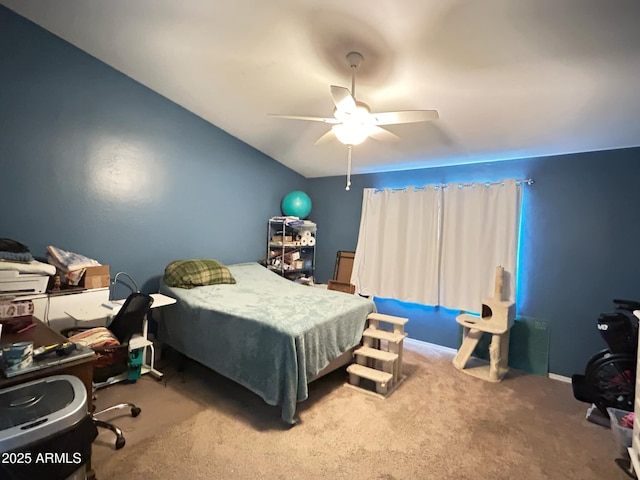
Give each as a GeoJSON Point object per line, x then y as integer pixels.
{"type": "Point", "coordinates": [379, 359]}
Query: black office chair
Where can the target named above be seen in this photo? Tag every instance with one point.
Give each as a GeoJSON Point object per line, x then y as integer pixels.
{"type": "Point", "coordinates": [111, 344]}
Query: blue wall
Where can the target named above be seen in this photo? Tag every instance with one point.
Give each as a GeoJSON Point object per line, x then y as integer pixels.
{"type": "Point", "coordinates": [93, 162]}
{"type": "Point", "coordinates": [580, 243]}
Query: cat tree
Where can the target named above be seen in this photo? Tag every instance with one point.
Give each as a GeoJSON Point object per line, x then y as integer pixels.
{"type": "Point", "coordinates": [497, 317]}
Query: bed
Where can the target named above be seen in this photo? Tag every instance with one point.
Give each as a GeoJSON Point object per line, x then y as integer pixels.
{"type": "Point", "coordinates": [269, 334]}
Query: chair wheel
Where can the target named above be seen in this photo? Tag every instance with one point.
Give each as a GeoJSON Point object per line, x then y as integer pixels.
{"type": "Point", "coordinates": [120, 441]}
{"type": "Point", "coordinates": [135, 411]}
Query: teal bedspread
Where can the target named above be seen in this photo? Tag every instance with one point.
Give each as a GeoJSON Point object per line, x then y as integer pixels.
{"type": "Point", "coordinates": [267, 333]}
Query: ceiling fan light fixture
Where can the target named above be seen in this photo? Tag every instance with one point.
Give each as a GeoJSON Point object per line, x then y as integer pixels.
{"type": "Point", "coordinates": [353, 122]}
{"type": "Point", "coordinates": [351, 134]}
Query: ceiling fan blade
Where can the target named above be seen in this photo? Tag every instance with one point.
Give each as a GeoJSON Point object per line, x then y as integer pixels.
{"type": "Point", "coordinates": [383, 135]}
{"type": "Point", "coordinates": [404, 116]}
{"type": "Point", "coordinates": [343, 99]}
{"type": "Point", "coordinates": [303, 117]}
{"type": "Point", "coordinates": [327, 137]}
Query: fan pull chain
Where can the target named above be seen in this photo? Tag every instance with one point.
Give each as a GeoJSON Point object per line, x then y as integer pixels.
{"type": "Point", "coordinates": [349, 148]}
{"type": "Point", "coordinates": [353, 82]}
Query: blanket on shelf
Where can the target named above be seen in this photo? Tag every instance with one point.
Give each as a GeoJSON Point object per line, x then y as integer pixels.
{"type": "Point", "coordinates": [70, 266]}
{"type": "Point", "coordinates": [14, 251]}
{"type": "Point", "coordinates": [33, 266]}
{"type": "Point", "coordinates": [16, 256]}
{"type": "Point", "coordinates": [69, 261]}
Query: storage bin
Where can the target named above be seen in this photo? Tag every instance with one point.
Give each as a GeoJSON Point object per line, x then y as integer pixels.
{"type": "Point", "coordinates": [623, 435]}
{"type": "Point", "coordinates": [46, 421]}
{"type": "Point", "coordinates": [135, 364]}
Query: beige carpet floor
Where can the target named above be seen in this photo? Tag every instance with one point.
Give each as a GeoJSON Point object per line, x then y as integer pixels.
{"type": "Point", "coordinates": [439, 424]}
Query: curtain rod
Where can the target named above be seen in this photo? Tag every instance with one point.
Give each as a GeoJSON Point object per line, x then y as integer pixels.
{"type": "Point", "coordinates": [436, 186]}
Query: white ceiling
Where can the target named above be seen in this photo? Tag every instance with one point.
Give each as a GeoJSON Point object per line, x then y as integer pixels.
{"type": "Point", "coordinates": [510, 78]}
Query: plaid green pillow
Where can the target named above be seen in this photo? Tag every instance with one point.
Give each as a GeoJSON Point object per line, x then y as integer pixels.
{"type": "Point", "coordinates": [195, 273]}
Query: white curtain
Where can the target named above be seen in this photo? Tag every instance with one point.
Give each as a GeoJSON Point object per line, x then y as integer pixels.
{"type": "Point", "coordinates": [480, 227]}
{"type": "Point", "coordinates": [397, 255]}
{"type": "Point", "coordinates": [438, 246]}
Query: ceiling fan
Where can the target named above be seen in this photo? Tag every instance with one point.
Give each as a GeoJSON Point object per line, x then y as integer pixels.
{"type": "Point", "coordinates": [353, 122]}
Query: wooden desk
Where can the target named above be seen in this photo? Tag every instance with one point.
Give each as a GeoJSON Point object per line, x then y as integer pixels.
{"type": "Point", "coordinates": [41, 335]}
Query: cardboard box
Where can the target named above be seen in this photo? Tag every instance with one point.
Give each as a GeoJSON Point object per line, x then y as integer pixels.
{"type": "Point", "coordinates": [96, 277]}
{"type": "Point", "coordinates": [278, 239]}
{"type": "Point", "coordinates": [291, 257]}
{"type": "Point", "coordinates": [16, 309]}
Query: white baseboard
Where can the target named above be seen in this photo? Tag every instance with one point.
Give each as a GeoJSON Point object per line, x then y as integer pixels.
{"type": "Point", "coordinates": [560, 378]}
{"type": "Point", "coordinates": [419, 344]}
{"type": "Point", "coordinates": [412, 342]}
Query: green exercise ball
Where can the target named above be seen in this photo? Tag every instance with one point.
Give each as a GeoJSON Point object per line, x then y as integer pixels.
{"type": "Point", "coordinates": [296, 204]}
